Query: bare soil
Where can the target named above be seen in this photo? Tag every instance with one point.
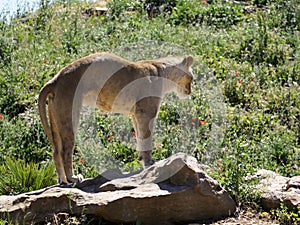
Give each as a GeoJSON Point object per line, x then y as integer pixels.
{"type": "Point", "coordinates": [245, 216]}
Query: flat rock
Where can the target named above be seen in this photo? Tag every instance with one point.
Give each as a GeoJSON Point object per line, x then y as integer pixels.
{"type": "Point", "coordinates": [172, 190]}
{"type": "Point", "coordinates": [276, 189]}
{"type": "Point", "coordinates": [95, 11]}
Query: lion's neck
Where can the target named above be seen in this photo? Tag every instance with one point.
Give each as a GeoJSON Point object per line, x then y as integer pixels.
{"type": "Point", "coordinates": [169, 81]}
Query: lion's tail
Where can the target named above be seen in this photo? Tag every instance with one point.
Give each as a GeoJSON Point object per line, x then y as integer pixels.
{"type": "Point", "coordinates": [43, 95]}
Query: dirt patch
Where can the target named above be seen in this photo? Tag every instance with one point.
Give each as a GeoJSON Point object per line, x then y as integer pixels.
{"type": "Point", "coordinates": [247, 216]}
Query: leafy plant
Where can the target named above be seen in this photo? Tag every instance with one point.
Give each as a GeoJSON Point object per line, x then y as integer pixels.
{"type": "Point", "coordinates": [216, 13]}
{"type": "Point", "coordinates": [18, 177]}
{"type": "Point", "coordinates": [23, 138]}
{"type": "Point", "coordinates": [117, 7]}
{"type": "Point", "coordinates": [286, 216]}
{"type": "Point", "coordinates": [285, 15]}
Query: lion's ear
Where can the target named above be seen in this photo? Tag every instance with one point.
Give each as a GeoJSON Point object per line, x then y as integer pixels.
{"type": "Point", "coordinates": [188, 61]}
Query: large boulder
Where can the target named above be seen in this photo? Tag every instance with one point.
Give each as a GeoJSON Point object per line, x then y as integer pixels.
{"type": "Point", "coordinates": [173, 190]}
{"type": "Point", "coordinates": [277, 190]}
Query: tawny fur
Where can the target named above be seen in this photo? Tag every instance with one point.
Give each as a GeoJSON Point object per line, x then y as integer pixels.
{"type": "Point", "coordinates": [112, 84]}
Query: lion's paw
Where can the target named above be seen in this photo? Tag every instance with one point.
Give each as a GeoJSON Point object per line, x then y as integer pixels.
{"type": "Point", "coordinates": [76, 178]}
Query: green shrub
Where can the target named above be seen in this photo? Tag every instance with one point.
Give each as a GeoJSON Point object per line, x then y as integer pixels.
{"type": "Point", "coordinates": [23, 138]}
{"type": "Point", "coordinates": [118, 7]}
{"type": "Point", "coordinates": [19, 177]}
{"type": "Point", "coordinates": [218, 13]}
{"type": "Point", "coordinates": [285, 15]}
{"type": "Point", "coordinates": [261, 46]}
{"type": "Point", "coordinates": [287, 216]}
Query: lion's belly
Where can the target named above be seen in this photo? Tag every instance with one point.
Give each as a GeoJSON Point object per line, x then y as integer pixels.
{"type": "Point", "coordinates": [110, 103]}
{"type": "Point", "coordinates": [116, 105]}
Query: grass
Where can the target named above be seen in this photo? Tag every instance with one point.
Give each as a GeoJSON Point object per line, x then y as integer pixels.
{"type": "Point", "coordinates": [18, 177]}
{"type": "Point", "coordinates": [243, 115]}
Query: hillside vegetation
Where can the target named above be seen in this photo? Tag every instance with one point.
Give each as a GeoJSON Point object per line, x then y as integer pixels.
{"type": "Point", "coordinates": [243, 115]}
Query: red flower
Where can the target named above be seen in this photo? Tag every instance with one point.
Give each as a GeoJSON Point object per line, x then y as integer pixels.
{"type": "Point", "coordinates": [240, 82]}
{"type": "Point", "coordinates": [47, 61]}
{"type": "Point", "coordinates": [80, 160]}
{"type": "Point", "coordinates": [110, 138]}
{"type": "Point", "coordinates": [158, 147]}
{"type": "Point", "coordinates": [193, 124]}
{"type": "Point", "coordinates": [204, 3]}
{"type": "Point", "coordinates": [202, 122]}
{"type": "Point", "coordinates": [1, 116]}
{"type": "Point", "coordinates": [134, 134]}
{"type": "Point", "coordinates": [194, 119]}
{"type": "Point", "coordinates": [237, 73]}
{"type": "Point", "coordinates": [221, 168]}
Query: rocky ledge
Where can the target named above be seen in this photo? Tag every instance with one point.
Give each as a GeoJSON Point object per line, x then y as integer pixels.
{"type": "Point", "coordinates": [276, 190]}
{"type": "Point", "coordinates": [171, 191]}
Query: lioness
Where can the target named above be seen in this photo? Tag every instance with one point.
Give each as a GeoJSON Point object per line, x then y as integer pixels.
{"type": "Point", "coordinates": [112, 84]}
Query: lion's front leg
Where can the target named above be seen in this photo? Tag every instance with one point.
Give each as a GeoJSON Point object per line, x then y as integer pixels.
{"type": "Point", "coordinates": [143, 125]}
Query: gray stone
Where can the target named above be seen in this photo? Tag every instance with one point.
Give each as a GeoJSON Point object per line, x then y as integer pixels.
{"type": "Point", "coordinates": [276, 189]}
{"type": "Point", "coordinates": [172, 190]}
{"type": "Point", "coordinates": [95, 11]}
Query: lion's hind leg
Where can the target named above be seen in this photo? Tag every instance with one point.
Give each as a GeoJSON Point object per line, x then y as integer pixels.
{"type": "Point", "coordinates": [68, 132]}
{"type": "Point", "coordinates": [68, 150]}
{"type": "Point", "coordinates": [57, 149]}
{"type": "Point", "coordinates": [58, 161]}
{"type": "Point", "coordinates": [62, 122]}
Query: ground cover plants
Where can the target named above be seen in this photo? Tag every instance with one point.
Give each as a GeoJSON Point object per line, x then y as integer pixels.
{"type": "Point", "coordinates": [243, 115]}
